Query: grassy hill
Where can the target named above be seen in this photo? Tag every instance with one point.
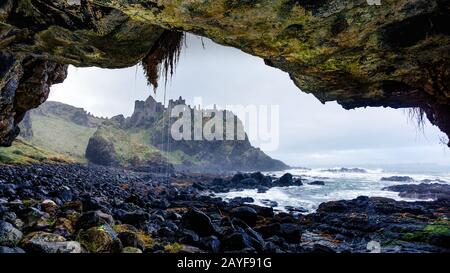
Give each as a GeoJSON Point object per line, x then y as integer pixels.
{"type": "Point", "coordinates": [60, 135]}
{"type": "Point", "coordinates": [54, 132]}
{"type": "Point", "coordinates": [23, 152]}
{"type": "Point", "coordinates": [57, 132]}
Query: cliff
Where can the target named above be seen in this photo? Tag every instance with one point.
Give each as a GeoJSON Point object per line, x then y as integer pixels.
{"type": "Point", "coordinates": [142, 141]}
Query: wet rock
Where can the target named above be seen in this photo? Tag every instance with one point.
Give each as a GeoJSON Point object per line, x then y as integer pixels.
{"type": "Point", "coordinates": [9, 235]}
{"type": "Point", "coordinates": [346, 170]}
{"type": "Point", "coordinates": [238, 177]}
{"type": "Point", "coordinates": [129, 249]}
{"type": "Point", "coordinates": [189, 237]}
{"type": "Point", "coordinates": [211, 244]}
{"type": "Point", "coordinates": [36, 219]}
{"type": "Point", "coordinates": [296, 209]}
{"type": "Point", "coordinates": [317, 183]}
{"type": "Point", "coordinates": [43, 242]}
{"type": "Point", "coordinates": [199, 222]}
{"type": "Point", "coordinates": [49, 206]}
{"type": "Point", "coordinates": [422, 191]}
{"type": "Point", "coordinates": [102, 239]}
{"type": "Point", "coordinates": [131, 239]}
{"type": "Point", "coordinates": [257, 175]}
{"type": "Point", "coordinates": [248, 182]}
{"type": "Point", "coordinates": [262, 189]}
{"type": "Point", "coordinates": [287, 180]}
{"type": "Point", "coordinates": [398, 179]}
{"type": "Point", "coordinates": [135, 218]}
{"type": "Point", "coordinates": [64, 227]}
{"type": "Point", "coordinates": [246, 214]}
{"type": "Point", "coordinates": [292, 233]}
{"type": "Point", "coordinates": [93, 219]}
{"type": "Point", "coordinates": [236, 241]}
{"type": "Point", "coordinates": [11, 250]}
{"type": "Point", "coordinates": [269, 203]}
{"type": "Point", "coordinates": [269, 230]}
{"type": "Point", "coordinates": [238, 201]}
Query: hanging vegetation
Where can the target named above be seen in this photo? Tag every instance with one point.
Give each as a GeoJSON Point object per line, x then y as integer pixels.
{"type": "Point", "coordinates": [163, 57]}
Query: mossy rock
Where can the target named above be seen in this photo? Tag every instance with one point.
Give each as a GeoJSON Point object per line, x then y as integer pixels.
{"type": "Point", "coordinates": [129, 249]}
{"type": "Point", "coordinates": [102, 239]}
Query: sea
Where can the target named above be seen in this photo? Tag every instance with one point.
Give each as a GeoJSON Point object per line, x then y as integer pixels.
{"type": "Point", "coordinates": [339, 185]}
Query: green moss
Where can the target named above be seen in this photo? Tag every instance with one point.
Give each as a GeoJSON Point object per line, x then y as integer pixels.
{"type": "Point", "coordinates": [438, 228]}
{"type": "Point", "coordinates": [173, 248]}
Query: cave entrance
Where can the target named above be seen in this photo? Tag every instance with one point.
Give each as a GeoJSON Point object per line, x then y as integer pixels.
{"type": "Point", "coordinates": [108, 117]}
{"type": "Point", "coordinates": [310, 133]}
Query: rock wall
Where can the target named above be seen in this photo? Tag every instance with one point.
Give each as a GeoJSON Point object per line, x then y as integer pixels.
{"type": "Point", "coordinates": [393, 55]}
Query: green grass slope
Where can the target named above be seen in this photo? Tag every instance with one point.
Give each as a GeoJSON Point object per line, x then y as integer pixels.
{"type": "Point", "coordinates": [22, 152]}
{"type": "Point", "coordinates": [60, 135]}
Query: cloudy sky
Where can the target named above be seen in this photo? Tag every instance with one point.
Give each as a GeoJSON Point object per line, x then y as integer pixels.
{"type": "Point", "coordinates": [311, 133]}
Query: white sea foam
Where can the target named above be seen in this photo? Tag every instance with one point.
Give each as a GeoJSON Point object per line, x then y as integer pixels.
{"type": "Point", "coordinates": [338, 186]}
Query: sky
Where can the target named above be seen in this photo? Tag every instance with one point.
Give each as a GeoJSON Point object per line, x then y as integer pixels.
{"type": "Point", "coordinates": [311, 134]}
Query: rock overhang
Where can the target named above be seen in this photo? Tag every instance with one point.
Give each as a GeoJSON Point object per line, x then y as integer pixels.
{"type": "Point", "coordinates": [395, 55]}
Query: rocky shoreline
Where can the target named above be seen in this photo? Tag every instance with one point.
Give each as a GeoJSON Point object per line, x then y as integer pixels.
{"type": "Point", "coordinates": [76, 209]}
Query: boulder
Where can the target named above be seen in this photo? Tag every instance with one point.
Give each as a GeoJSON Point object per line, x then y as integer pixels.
{"type": "Point", "coordinates": [44, 242]}
{"type": "Point", "coordinates": [246, 214]}
{"type": "Point", "coordinates": [93, 219]}
{"type": "Point", "coordinates": [10, 250]}
{"type": "Point", "coordinates": [198, 222]}
{"type": "Point", "coordinates": [136, 218]}
{"type": "Point", "coordinates": [318, 183]}
{"type": "Point", "coordinates": [292, 233]}
{"type": "Point", "coordinates": [131, 239]}
{"type": "Point", "coordinates": [286, 179]}
{"type": "Point", "coordinates": [236, 241]}
{"type": "Point", "coordinates": [101, 239]}
{"type": "Point", "coordinates": [211, 244]}
{"type": "Point", "coordinates": [9, 235]}
{"type": "Point", "coordinates": [398, 179]}
{"type": "Point", "coordinates": [36, 219]}
{"type": "Point", "coordinates": [130, 249]}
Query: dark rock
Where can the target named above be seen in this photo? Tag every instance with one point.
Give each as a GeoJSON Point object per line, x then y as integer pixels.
{"type": "Point", "coordinates": [296, 209]}
{"type": "Point", "coordinates": [101, 151]}
{"type": "Point", "coordinates": [43, 242]}
{"type": "Point", "coordinates": [93, 219]}
{"type": "Point", "coordinates": [135, 218]}
{"type": "Point", "coordinates": [9, 235]}
{"type": "Point", "coordinates": [248, 182]}
{"type": "Point", "coordinates": [101, 239]}
{"type": "Point", "coordinates": [199, 222]}
{"type": "Point", "coordinates": [319, 183]}
{"type": "Point", "coordinates": [398, 179]}
{"type": "Point", "coordinates": [131, 239]}
{"type": "Point", "coordinates": [257, 175]}
{"type": "Point", "coordinates": [286, 179]}
{"type": "Point", "coordinates": [346, 170]}
{"type": "Point", "coordinates": [246, 214]}
{"type": "Point", "coordinates": [269, 203]}
{"type": "Point", "coordinates": [236, 241]}
{"type": "Point", "coordinates": [422, 191]}
{"type": "Point", "coordinates": [238, 177]}
{"type": "Point", "coordinates": [11, 250]}
{"type": "Point", "coordinates": [189, 237]}
{"type": "Point", "coordinates": [211, 244]}
{"type": "Point", "coordinates": [269, 230]}
{"type": "Point", "coordinates": [291, 232]}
